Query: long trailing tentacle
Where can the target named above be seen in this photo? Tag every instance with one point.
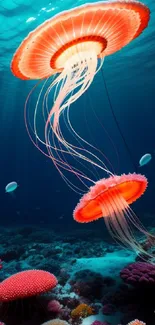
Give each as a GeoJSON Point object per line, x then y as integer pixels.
{"type": "Point", "coordinates": [69, 86]}
{"type": "Point", "coordinates": [55, 128]}
{"type": "Point", "coordinates": [120, 222]}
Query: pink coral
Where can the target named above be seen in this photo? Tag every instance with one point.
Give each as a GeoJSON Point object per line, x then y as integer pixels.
{"type": "Point", "coordinates": [54, 306]}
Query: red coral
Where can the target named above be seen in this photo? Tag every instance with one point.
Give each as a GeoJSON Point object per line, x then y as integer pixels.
{"type": "Point", "coordinates": [26, 284]}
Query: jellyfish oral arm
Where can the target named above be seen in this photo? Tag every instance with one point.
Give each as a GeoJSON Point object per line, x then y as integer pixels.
{"type": "Point", "coordinates": [75, 79]}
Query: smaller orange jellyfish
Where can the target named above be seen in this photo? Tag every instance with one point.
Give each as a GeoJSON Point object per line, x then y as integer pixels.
{"type": "Point", "coordinates": [111, 198]}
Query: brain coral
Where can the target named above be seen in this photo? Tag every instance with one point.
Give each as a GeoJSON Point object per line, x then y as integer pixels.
{"type": "Point", "coordinates": [139, 273]}
{"type": "Point", "coordinates": [56, 322]}
{"type": "Point", "coordinates": [26, 284]}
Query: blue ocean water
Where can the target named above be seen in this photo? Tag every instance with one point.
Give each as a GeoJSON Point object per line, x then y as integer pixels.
{"type": "Point", "coordinates": [43, 199]}
{"type": "Point", "coordinates": [129, 76]}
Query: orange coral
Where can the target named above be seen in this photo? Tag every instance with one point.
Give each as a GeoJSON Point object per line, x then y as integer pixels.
{"type": "Point", "coordinates": [83, 310]}
{"type": "Point", "coordinates": [136, 322]}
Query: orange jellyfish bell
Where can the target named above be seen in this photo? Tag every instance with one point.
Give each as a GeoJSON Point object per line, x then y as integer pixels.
{"type": "Point", "coordinates": [102, 199]}
{"type": "Point", "coordinates": [102, 28]}
{"type": "Point", "coordinates": [110, 198]}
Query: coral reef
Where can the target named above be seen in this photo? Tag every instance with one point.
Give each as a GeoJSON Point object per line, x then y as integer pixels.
{"type": "Point", "coordinates": [98, 284]}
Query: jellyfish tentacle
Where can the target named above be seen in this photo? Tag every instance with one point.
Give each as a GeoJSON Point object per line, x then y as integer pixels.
{"type": "Point", "coordinates": [56, 124]}
{"type": "Point", "coordinates": [119, 224]}
{"type": "Point", "coordinates": [55, 161]}
{"type": "Point", "coordinates": [57, 111]}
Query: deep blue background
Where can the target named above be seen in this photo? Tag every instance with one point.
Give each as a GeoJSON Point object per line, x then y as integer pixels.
{"type": "Point", "coordinates": [42, 197]}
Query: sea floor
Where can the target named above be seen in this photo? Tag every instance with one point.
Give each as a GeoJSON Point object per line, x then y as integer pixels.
{"type": "Point", "coordinates": [89, 287]}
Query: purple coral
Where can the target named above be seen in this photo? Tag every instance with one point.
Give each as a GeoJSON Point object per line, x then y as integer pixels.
{"type": "Point", "coordinates": [139, 273]}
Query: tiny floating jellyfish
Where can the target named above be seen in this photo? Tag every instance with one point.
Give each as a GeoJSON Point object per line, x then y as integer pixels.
{"type": "Point", "coordinates": [11, 187]}
{"type": "Point", "coordinates": [145, 159]}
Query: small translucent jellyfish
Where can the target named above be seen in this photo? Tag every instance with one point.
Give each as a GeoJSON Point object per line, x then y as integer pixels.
{"type": "Point", "coordinates": [11, 187]}
{"type": "Point", "coordinates": [145, 159]}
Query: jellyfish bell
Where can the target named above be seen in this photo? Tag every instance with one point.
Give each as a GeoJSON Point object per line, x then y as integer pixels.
{"type": "Point", "coordinates": [145, 159]}
{"type": "Point", "coordinates": [11, 187]}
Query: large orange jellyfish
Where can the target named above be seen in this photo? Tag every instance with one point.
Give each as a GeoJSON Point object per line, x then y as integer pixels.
{"type": "Point", "coordinates": [72, 46]}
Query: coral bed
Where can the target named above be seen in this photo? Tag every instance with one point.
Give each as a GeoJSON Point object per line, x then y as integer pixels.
{"type": "Point", "coordinates": [98, 284]}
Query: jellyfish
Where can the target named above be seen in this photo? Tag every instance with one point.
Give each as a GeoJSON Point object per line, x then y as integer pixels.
{"type": "Point", "coordinates": [65, 53]}
{"type": "Point", "coordinates": [110, 198]}
{"type": "Point", "coordinates": [145, 159]}
{"type": "Point", "coordinates": [11, 187]}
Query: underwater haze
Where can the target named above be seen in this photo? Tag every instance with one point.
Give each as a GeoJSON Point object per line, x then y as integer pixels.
{"type": "Point", "coordinates": [37, 231]}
